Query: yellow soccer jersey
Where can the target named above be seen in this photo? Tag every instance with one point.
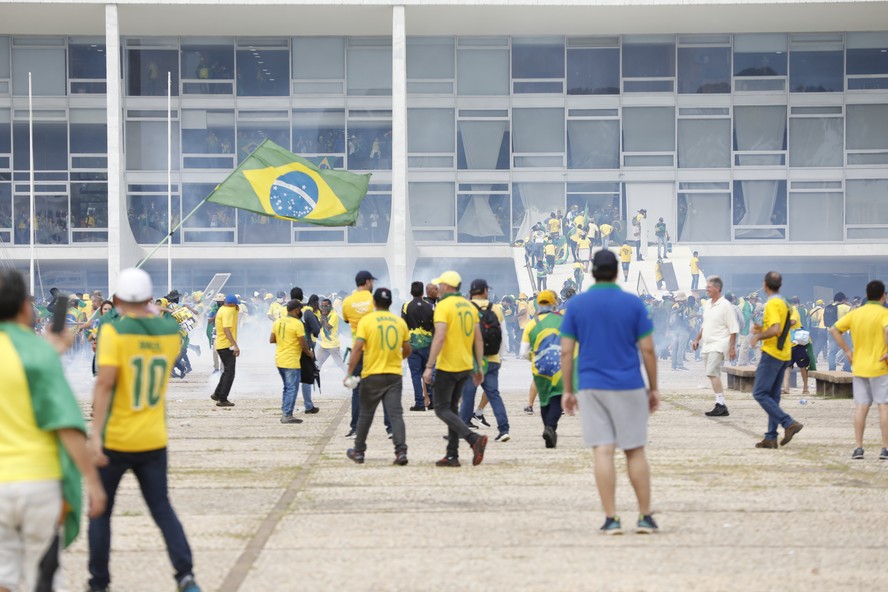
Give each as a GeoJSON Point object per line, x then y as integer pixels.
{"type": "Point", "coordinates": [226, 316]}
{"type": "Point", "coordinates": [143, 350]}
{"type": "Point", "coordinates": [276, 310]}
{"type": "Point", "coordinates": [458, 352]}
{"type": "Point", "coordinates": [625, 254]}
{"type": "Point", "coordinates": [287, 331]}
{"type": "Point", "coordinates": [355, 306]}
{"type": "Point", "coordinates": [330, 339]}
{"type": "Point", "coordinates": [867, 325]}
{"type": "Point", "coordinates": [383, 335]}
{"type": "Point", "coordinates": [775, 314]}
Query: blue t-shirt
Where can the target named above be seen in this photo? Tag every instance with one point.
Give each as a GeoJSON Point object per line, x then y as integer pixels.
{"type": "Point", "coordinates": [607, 323]}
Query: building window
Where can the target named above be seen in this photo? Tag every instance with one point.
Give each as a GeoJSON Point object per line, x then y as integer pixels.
{"type": "Point", "coordinates": [704, 143]}
{"type": "Point", "coordinates": [482, 67]}
{"type": "Point", "coordinates": [816, 141]}
{"type": "Point", "coordinates": [50, 146]}
{"type": "Point", "coordinates": [760, 62]}
{"type": "Point", "coordinates": [263, 68]}
{"type": "Point", "coordinates": [148, 213]}
{"type": "Point", "coordinates": [648, 130]}
{"type": "Point", "coordinates": [86, 65]}
{"type": "Point", "coordinates": [866, 202]}
{"type": "Point", "coordinates": [536, 63]}
{"type": "Point", "coordinates": [374, 217]}
{"type": "Point", "coordinates": [593, 71]}
{"type": "Point", "coordinates": [538, 137]}
{"type": "Point", "coordinates": [704, 216]}
{"type": "Point", "coordinates": [483, 216]}
{"type": "Point", "coordinates": [89, 211]}
{"type": "Point", "coordinates": [431, 66]}
{"type": "Point", "coordinates": [319, 135]}
{"type": "Point", "coordinates": [867, 134]}
{"type": "Point", "coordinates": [207, 68]}
{"type": "Point", "coordinates": [45, 64]}
{"type": "Point", "coordinates": [147, 71]}
{"type": "Point", "coordinates": [318, 65]}
{"type": "Point", "coordinates": [208, 138]}
{"type": "Point", "coordinates": [369, 145]}
{"type": "Point", "coordinates": [432, 211]}
{"type": "Point", "coordinates": [431, 138]}
{"type": "Point", "coordinates": [532, 203]}
{"type": "Point", "coordinates": [648, 63]}
{"type": "Point", "coordinates": [816, 63]}
{"type": "Point", "coordinates": [867, 59]}
{"type": "Point", "coordinates": [254, 127]}
{"type": "Point", "coordinates": [7, 223]}
{"type": "Point", "coordinates": [759, 210]}
{"type": "Point", "coordinates": [593, 143]}
{"type": "Point", "coordinates": [760, 135]}
{"type": "Point", "coordinates": [816, 216]}
{"type": "Point", "coordinates": [147, 145]}
{"type": "Point", "coordinates": [369, 67]}
{"type": "Point", "coordinates": [211, 223]}
{"type": "Point", "coordinates": [704, 70]}
{"type": "Point", "coordinates": [483, 144]}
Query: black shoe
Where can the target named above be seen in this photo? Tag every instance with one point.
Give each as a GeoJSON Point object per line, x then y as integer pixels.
{"type": "Point", "coordinates": [214, 397]}
{"type": "Point", "coordinates": [351, 434]}
{"type": "Point", "coordinates": [719, 410]}
{"type": "Point", "coordinates": [417, 408]}
{"type": "Point", "coordinates": [290, 419]}
{"type": "Point", "coordinates": [481, 420]}
{"type": "Point", "coordinates": [356, 456]}
{"type": "Point", "coordinates": [550, 437]}
{"type": "Point", "coordinates": [225, 403]}
{"type": "Point", "coordinates": [431, 406]}
{"type": "Point", "coordinates": [448, 461]}
{"type": "Point", "coordinates": [311, 411]}
{"type": "Point", "coordinates": [401, 458]}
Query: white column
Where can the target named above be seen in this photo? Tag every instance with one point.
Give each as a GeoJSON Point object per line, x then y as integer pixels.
{"type": "Point", "coordinates": [400, 240]}
{"type": "Point", "coordinates": [116, 205]}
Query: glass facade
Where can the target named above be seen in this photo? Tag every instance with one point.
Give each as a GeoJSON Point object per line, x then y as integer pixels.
{"type": "Point", "coordinates": [764, 137]}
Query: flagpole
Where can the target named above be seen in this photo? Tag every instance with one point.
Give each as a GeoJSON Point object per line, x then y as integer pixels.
{"type": "Point", "coordinates": [31, 180]}
{"type": "Point", "coordinates": [168, 237]}
{"type": "Point", "coordinates": [169, 181]}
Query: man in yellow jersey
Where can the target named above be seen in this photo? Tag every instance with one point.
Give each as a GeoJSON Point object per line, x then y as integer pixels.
{"type": "Point", "coordinates": [382, 341]}
{"type": "Point", "coordinates": [135, 354]}
{"type": "Point", "coordinates": [605, 229]}
{"type": "Point", "coordinates": [776, 352]}
{"type": "Point", "coordinates": [41, 433]}
{"type": "Point", "coordinates": [457, 353]}
{"type": "Point", "coordinates": [553, 224]}
{"type": "Point", "coordinates": [227, 348]}
{"type": "Point", "coordinates": [288, 333]}
{"type": "Point", "coordinates": [695, 270]}
{"type": "Point", "coordinates": [278, 308]}
{"type": "Point", "coordinates": [328, 338]}
{"type": "Point", "coordinates": [354, 308]}
{"type": "Point", "coordinates": [626, 259]}
{"type": "Point", "coordinates": [869, 361]}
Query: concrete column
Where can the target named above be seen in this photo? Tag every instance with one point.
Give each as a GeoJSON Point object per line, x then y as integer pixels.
{"type": "Point", "coordinates": [398, 257]}
{"type": "Point", "coordinates": [116, 205]}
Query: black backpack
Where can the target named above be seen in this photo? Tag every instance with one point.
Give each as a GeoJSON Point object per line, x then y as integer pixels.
{"type": "Point", "coordinates": [491, 332]}
{"type": "Point", "coordinates": [830, 315]}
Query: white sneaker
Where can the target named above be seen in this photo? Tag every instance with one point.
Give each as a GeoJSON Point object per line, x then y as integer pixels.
{"type": "Point", "coordinates": [504, 437]}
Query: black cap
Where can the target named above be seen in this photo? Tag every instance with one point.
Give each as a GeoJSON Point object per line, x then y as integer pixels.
{"type": "Point", "coordinates": [362, 276]}
{"type": "Point", "coordinates": [478, 286]}
{"type": "Point", "coordinates": [293, 305]}
{"type": "Point", "coordinates": [281, 294]}
{"type": "Point", "coordinates": [382, 296]}
{"type": "Point", "coordinates": [604, 260]}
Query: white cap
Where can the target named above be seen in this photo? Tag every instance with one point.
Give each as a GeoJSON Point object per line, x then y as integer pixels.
{"type": "Point", "coordinates": [134, 285]}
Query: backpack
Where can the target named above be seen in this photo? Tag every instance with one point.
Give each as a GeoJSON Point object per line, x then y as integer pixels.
{"type": "Point", "coordinates": [830, 315]}
{"type": "Point", "coordinates": [491, 331]}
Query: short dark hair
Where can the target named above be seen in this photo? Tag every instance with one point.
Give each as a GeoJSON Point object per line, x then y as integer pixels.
{"type": "Point", "coordinates": [716, 281]}
{"type": "Point", "coordinates": [773, 280]}
{"type": "Point", "coordinates": [604, 274]}
{"type": "Point", "coordinates": [840, 297]}
{"type": "Point", "coordinates": [875, 290]}
{"type": "Point", "coordinates": [13, 293]}
{"type": "Point", "coordinates": [416, 289]}
{"type": "Point", "coordinates": [296, 294]}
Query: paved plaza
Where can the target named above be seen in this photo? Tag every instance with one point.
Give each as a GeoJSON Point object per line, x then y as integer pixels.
{"type": "Point", "coordinates": [279, 507]}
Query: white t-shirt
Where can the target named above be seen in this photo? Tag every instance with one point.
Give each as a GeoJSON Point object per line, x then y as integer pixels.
{"type": "Point", "coordinates": [719, 322]}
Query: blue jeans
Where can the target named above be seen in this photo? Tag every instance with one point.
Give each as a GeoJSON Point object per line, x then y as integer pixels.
{"type": "Point", "coordinates": [662, 247]}
{"type": "Point", "coordinates": [695, 281]}
{"type": "Point", "coordinates": [417, 362]}
{"type": "Point", "coordinates": [291, 377]}
{"type": "Point", "coordinates": [680, 338]}
{"type": "Point", "coordinates": [766, 392]}
{"type": "Point", "coordinates": [490, 386]}
{"type": "Point", "coordinates": [834, 351]}
{"type": "Point", "coordinates": [150, 469]}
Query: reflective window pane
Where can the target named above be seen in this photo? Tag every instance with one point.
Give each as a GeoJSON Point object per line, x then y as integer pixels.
{"type": "Point", "coordinates": [374, 220]}
{"type": "Point", "coordinates": [704, 217]}
{"type": "Point", "coordinates": [431, 130]}
{"type": "Point", "coordinates": [704, 143]}
{"type": "Point", "coordinates": [318, 58]}
{"type": "Point", "coordinates": [263, 72]}
{"type": "Point", "coordinates": [370, 71]}
{"type": "Point", "coordinates": [759, 203]}
{"type": "Point", "coordinates": [208, 131]}
{"type": "Point", "coordinates": [319, 131]}
{"type": "Point", "coordinates": [816, 142]}
{"type": "Point", "coordinates": [148, 218]}
{"type": "Point", "coordinates": [4, 56]}
{"type": "Point", "coordinates": [147, 72]}
{"type": "Point", "coordinates": [816, 217]}
{"type": "Point", "coordinates": [704, 70]}
{"type": "Point", "coordinates": [209, 215]}
{"type": "Point", "coordinates": [538, 130]}
{"type": "Point", "coordinates": [208, 63]}
{"type": "Point", "coordinates": [865, 53]}
{"type": "Point", "coordinates": [482, 72]}
{"type": "Point", "coordinates": [89, 133]}
{"type": "Point", "coordinates": [86, 60]}
{"type": "Point", "coordinates": [816, 71]}
{"type": "Point", "coordinates": [430, 58]}
{"type": "Point", "coordinates": [867, 127]}
{"type": "Point", "coordinates": [253, 229]}
{"type": "Point", "coordinates": [483, 145]}
{"type": "Point", "coordinates": [593, 71]}
{"type": "Point", "coordinates": [593, 144]}
{"type": "Point", "coordinates": [6, 208]}
{"type": "Point", "coordinates": [537, 57]}
{"type": "Point", "coordinates": [47, 69]}
{"type": "Point", "coordinates": [51, 212]}
{"type": "Point", "coordinates": [483, 218]}
{"type": "Point", "coordinates": [648, 129]}
{"type": "Point", "coordinates": [761, 128]}
{"type": "Point", "coordinates": [432, 205]}
{"type": "Point", "coordinates": [762, 54]}
{"type": "Point", "coordinates": [147, 146]}
{"type": "Point", "coordinates": [369, 145]}
{"type": "Point", "coordinates": [532, 203]}
{"type": "Point", "coordinates": [50, 146]}
{"type": "Point", "coordinates": [866, 201]}
{"type": "Point", "coordinates": [648, 60]}
{"type": "Point", "coordinates": [89, 205]}
{"type": "Point", "coordinates": [250, 135]}
{"type": "Point", "coordinates": [5, 131]}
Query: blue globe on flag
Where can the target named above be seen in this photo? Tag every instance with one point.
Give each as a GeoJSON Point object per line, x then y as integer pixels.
{"type": "Point", "coordinates": [294, 195]}
{"type": "Point", "coordinates": [547, 357]}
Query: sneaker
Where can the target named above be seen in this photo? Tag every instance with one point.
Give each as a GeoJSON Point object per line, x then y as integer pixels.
{"type": "Point", "coordinates": [225, 403]}
{"type": "Point", "coordinates": [390, 435]}
{"type": "Point", "coordinates": [503, 437]}
{"type": "Point", "coordinates": [611, 526]}
{"type": "Point", "coordinates": [478, 447]}
{"type": "Point", "coordinates": [884, 454]}
{"type": "Point", "coordinates": [550, 437]}
{"type": "Point", "coordinates": [719, 410]}
{"type": "Point", "coordinates": [417, 408]}
{"type": "Point", "coordinates": [480, 419]}
{"type": "Point", "coordinates": [471, 423]}
{"type": "Point", "coordinates": [214, 397]}
{"type": "Point", "coordinates": [767, 443]}
{"type": "Point", "coordinates": [401, 458]}
{"type": "Point", "coordinates": [351, 434]}
{"type": "Point", "coordinates": [187, 584]}
{"type": "Point", "coordinates": [448, 461]}
{"type": "Point", "coordinates": [857, 454]}
{"type": "Point", "coordinates": [646, 525]}
{"type": "Point", "coordinates": [528, 410]}
{"type": "Point", "coordinates": [790, 431]}
{"type": "Point", "coordinates": [290, 419]}
{"type": "Point", "coordinates": [356, 456]}
{"type": "Point", "coordinates": [312, 411]}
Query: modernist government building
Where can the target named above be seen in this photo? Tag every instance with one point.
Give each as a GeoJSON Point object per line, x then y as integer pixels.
{"type": "Point", "coordinates": [758, 130]}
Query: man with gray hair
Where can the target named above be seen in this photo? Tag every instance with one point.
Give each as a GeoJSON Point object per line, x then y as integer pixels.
{"type": "Point", "coordinates": [718, 339]}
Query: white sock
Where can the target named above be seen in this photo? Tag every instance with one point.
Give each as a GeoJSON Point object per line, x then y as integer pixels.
{"type": "Point", "coordinates": [479, 411]}
{"type": "Point", "coordinates": [719, 398]}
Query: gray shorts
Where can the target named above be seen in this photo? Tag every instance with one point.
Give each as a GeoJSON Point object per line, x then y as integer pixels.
{"type": "Point", "coordinates": [713, 362]}
{"type": "Point", "coordinates": [870, 390]}
{"type": "Point", "coordinates": [29, 519]}
{"type": "Point", "coordinates": [614, 417]}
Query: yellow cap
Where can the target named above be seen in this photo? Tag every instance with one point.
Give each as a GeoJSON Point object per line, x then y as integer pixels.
{"type": "Point", "coordinates": [163, 302]}
{"type": "Point", "coordinates": [522, 296]}
{"type": "Point", "coordinates": [819, 303]}
{"type": "Point", "coordinates": [269, 296]}
{"type": "Point", "coordinates": [450, 278]}
{"type": "Point", "coordinates": [547, 298]}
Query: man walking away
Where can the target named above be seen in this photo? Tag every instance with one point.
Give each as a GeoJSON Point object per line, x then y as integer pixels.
{"type": "Point", "coordinates": [662, 239]}
{"type": "Point", "coordinates": [288, 333]}
{"type": "Point", "coordinates": [357, 305]}
{"type": "Point", "coordinates": [135, 355]}
{"type": "Point", "coordinates": [610, 326]}
{"type": "Point", "coordinates": [226, 347]}
{"type": "Point", "coordinates": [718, 340]}
{"type": "Point", "coordinates": [869, 361]}
{"type": "Point", "coordinates": [491, 325]}
{"type": "Point", "coordinates": [625, 259]}
{"type": "Point", "coordinates": [834, 311]}
{"type": "Point", "coordinates": [776, 352]}
{"type": "Point", "coordinates": [384, 341]}
{"type": "Point", "coordinates": [542, 346]}
{"type": "Point", "coordinates": [457, 351]}
{"type": "Point", "coordinates": [419, 315]}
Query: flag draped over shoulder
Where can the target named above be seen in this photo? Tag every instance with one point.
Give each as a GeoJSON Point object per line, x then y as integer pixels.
{"type": "Point", "coordinates": [275, 182]}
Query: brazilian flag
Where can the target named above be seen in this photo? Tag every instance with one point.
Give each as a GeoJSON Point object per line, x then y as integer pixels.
{"type": "Point", "coordinates": [275, 182]}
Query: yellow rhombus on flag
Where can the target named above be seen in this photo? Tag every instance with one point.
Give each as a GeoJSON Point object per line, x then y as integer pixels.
{"type": "Point", "coordinates": [275, 182]}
